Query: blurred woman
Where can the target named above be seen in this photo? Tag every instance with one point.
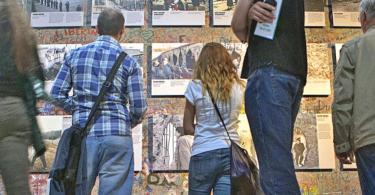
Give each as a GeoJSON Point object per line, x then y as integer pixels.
{"type": "Point", "coordinates": [209, 167]}
{"type": "Point", "coordinates": [18, 60]}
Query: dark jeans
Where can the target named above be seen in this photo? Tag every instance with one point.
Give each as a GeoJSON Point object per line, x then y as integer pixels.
{"type": "Point", "coordinates": [210, 171]}
{"type": "Point", "coordinates": [272, 100]}
{"type": "Point", "coordinates": [365, 158]}
{"type": "Point", "coordinates": [15, 132]}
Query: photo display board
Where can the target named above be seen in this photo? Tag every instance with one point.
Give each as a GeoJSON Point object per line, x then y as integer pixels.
{"type": "Point", "coordinates": [223, 12]}
{"type": "Point", "coordinates": [314, 13]}
{"type": "Point", "coordinates": [345, 13]}
{"type": "Point", "coordinates": [133, 10]}
{"type": "Point", "coordinates": [57, 13]}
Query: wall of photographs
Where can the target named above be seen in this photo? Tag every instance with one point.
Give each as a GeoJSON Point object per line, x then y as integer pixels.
{"type": "Point", "coordinates": [166, 36]}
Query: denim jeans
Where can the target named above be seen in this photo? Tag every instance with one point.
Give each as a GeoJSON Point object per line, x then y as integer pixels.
{"type": "Point", "coordinates": [365, 158]}
{"type": "Point", "coordinates": [110, 158]}
{"type": "Point", "coordinates": [272, 100]}
{"type": "Point", "coordinates": [210, 171]}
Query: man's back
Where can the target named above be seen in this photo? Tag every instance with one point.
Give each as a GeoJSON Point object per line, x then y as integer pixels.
{"type": "Point", "coordinates": [85, 70]}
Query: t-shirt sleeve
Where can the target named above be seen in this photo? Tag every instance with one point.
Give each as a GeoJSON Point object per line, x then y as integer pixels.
{"type": "Point", "coordinates": [189, 93]}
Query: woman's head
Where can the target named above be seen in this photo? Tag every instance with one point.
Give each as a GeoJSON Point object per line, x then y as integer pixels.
{"type": "Point", "coordinates": [216, 70]}
{"type": "Point", "coordinates": [23, 43]}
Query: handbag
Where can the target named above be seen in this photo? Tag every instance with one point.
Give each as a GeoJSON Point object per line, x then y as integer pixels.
{"type": "Point", "coordinates": [244, 174]}
{"type": "Point", "coordinates": [69, 161]}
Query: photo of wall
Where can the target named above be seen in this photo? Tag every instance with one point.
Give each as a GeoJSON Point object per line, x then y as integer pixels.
{"type": "Point", "coordinates": [224, 5]}
{"type": "Point", "coordinates": [52, 57]}
{"type": "Point", "coordinates": [171, 149]}
{"type": "Point", "coordinates": [135, 50]}
{"type": "Point", "coordinates": [179, 5]}
{"type": "Point", "coordinates": [345, 13]}
{"type": "Point", "coordinates": [314, 13]}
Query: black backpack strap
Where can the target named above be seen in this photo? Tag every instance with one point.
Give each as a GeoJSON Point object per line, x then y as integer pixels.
{"type": "Point", "coordinates": [103, 90]}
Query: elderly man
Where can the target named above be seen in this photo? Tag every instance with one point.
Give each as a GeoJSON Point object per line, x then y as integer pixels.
{"type": "Point", "coordinates": [354, 103]}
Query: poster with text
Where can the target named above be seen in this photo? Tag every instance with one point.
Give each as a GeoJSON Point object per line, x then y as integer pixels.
{"type": "Point", "coordinates": [314, 13]}
{"type": "Point", "coordinates": [223, 12]}
{"type": "Point", "coordinates": [178, 12]}
{"type": "Point", "coordinates": [133, 10]}
{"type": "Point", "coordinates": [173, 64]}
{"type": "Point", "coordinates": [57, 13]}
{"type": "Point", "coordinates": [319, 71]}
{"type": "Point", "coordinates": [312, 146]}
{"type": "Point", "coordinates": [345, 13]}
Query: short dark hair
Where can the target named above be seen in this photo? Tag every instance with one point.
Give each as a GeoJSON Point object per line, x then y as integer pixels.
{"type": "Point", "coordinates": [110, 22]}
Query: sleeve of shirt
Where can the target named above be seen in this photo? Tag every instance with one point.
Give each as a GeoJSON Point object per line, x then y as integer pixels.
{"type": "Point", "coordinates": [189, 93]}
{"type": "Point", "coordinates": [62, 86]}
{"type": "Point", "coordinates": [137, 99]}
{"type": "Point", "coordinates": [342, 106]}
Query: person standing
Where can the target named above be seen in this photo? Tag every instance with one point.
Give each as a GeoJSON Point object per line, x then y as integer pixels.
{"type": "Point", "coordinates": [353, 107]}
{"type": "Point", "coordinates": [18, 60]}
{"type": "Point", "coordinates": [67, 5]}
{"type": "Point", "coordinates": [109, 144]}
{"type": "Point", "coordinates": [60, 6]}
{"type": "Point", "coordinates": [276, 70]}
{"type": "Point", "coordinates": [209, 168]}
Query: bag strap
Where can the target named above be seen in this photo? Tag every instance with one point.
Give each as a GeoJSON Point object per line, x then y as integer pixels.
{"type": "Point", "coordinates": [218, 112]}
{"type": "Point", "coordinates": [103, 90]}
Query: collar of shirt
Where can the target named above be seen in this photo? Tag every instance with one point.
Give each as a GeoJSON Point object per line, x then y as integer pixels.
{"type": "Point", "coordinates": [108, 39]}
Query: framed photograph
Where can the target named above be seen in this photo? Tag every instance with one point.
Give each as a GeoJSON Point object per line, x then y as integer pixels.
{"type": "Point", "coordinates": [133, 10]}
{"type": "Point", "coordinates": [57, 13]}
{"type": "Point", "coordinates": [319, 72]}
{"type": "Point", "coordinates": [312, 146]}
{"type": "Point", "coordinates": [223, 12]}
{"type": "Point", "coordinates": [178, 12]}
{"type": "Point", "coordinates": [345, 13]}
{"type": "Point", "coordinates": [314, 13]}
{"type": "Point", "coordinates": [173, 64]}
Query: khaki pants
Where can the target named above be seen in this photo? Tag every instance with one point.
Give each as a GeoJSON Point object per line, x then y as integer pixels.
{"type": "Point", "coordinates": [15, 132]}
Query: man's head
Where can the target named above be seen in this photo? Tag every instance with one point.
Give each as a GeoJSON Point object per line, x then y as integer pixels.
{"type": "Point", "coordinates": [367, 14]}
{"type": "Point", "coordinates": [111, 22]}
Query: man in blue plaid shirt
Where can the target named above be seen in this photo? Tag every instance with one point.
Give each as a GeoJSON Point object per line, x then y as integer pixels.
{"type": "Point", "coordinates": [109, 143]}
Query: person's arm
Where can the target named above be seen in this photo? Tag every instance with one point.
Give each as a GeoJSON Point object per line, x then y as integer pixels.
{"type": "Point", "coordinates": [188, 121]}
{"type": "Point", "coordinates": [62, 86]}
{"type": "Point", "coordinates": [245, 12]}
{"type": "Point", "coordinates": [137, 99]}
{"type": "Point", "coordinates": [342, 106]}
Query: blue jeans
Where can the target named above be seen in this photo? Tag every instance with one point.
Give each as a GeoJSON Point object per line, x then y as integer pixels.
{"type": "Point", "coordinates": [365, 158]}
{"type": "Point", "coordinates": [210, 171]}
{"type": "Point", "coordinates": [272, 100]}
{"type": "Point", "coordinates": [110, 158]}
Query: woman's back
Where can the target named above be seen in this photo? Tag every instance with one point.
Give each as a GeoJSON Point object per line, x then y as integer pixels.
{"type": "Point", "coordinates": [209, 131]}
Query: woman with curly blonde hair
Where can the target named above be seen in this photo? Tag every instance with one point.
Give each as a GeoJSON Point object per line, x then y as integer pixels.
{"type": "Point", "coordinates": [18, 60]}
{"type": "Point", "coordinates": [215, 74]}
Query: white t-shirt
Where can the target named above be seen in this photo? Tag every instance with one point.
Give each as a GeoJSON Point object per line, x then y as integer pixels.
{"type": "Point", "coordinates": [209, 131]}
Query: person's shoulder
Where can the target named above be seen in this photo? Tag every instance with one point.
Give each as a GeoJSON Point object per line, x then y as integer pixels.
{"type": "Point", "coordinates": [352, 43]}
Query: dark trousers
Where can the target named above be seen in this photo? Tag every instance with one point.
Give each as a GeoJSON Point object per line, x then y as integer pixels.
{"type": "Point", "coordinates": [365, 158]}
{"type": "Point", "coordinates": [272, 100]}
{"type": "Point", "coordinates": [15, 131]}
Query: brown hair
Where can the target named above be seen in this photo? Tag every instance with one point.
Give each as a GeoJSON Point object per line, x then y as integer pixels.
{"type": "Point", "coordinates": [23, 40]}
{"type": "Point", "coordinates": [216, 71]}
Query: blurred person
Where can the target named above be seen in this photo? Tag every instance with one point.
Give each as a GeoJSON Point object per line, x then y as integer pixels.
{"type": "Point", "coordinates": [18, 61]}
{"type": "Point", "coordinates": [209, 168]}
{"type": "Point", "coordinates": [353, 108]}
{"type": "Point", "coordinates": [276, 71]}
{"type": "Point", "coordinates": [109, 147]}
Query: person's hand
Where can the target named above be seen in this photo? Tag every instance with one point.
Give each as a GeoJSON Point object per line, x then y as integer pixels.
{"type": "Point", "coordinates": [346, 157]}
{"type": "Point", "coordinates": [262, 12]}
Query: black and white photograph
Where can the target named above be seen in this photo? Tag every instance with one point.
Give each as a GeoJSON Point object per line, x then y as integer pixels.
{"type": "Point", "coordinates": [133, 10]}
{"type": "Point", "coordinates": [345, 13]}
{"type": "Point", "coordinates": [179, 12]}
{"type": "Point", "coordinates": [171, 149]}
{"type": "Point", "coordinates": [173, 64]}
{"type": "Point", "coordinates": [314, 13]}
{"type": "Point", "coordinates": [57, 13]}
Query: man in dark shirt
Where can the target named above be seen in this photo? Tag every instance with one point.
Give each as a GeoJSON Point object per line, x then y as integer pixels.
{"type": "Point", "coordinates": [276, 70]}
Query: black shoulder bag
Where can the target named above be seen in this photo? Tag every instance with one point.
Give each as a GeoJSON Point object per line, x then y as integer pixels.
{"type": "Point", "coordinates": [243, 171]}
{"type": "Point", "coordinates": [63, 174]}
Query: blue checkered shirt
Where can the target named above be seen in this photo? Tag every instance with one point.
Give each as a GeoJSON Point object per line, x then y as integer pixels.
{"type": "Point", "coordinates": [84, 70]}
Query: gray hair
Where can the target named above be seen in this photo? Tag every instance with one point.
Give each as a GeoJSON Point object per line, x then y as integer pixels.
{"type": "Point", "coordinates": [368, 6]}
